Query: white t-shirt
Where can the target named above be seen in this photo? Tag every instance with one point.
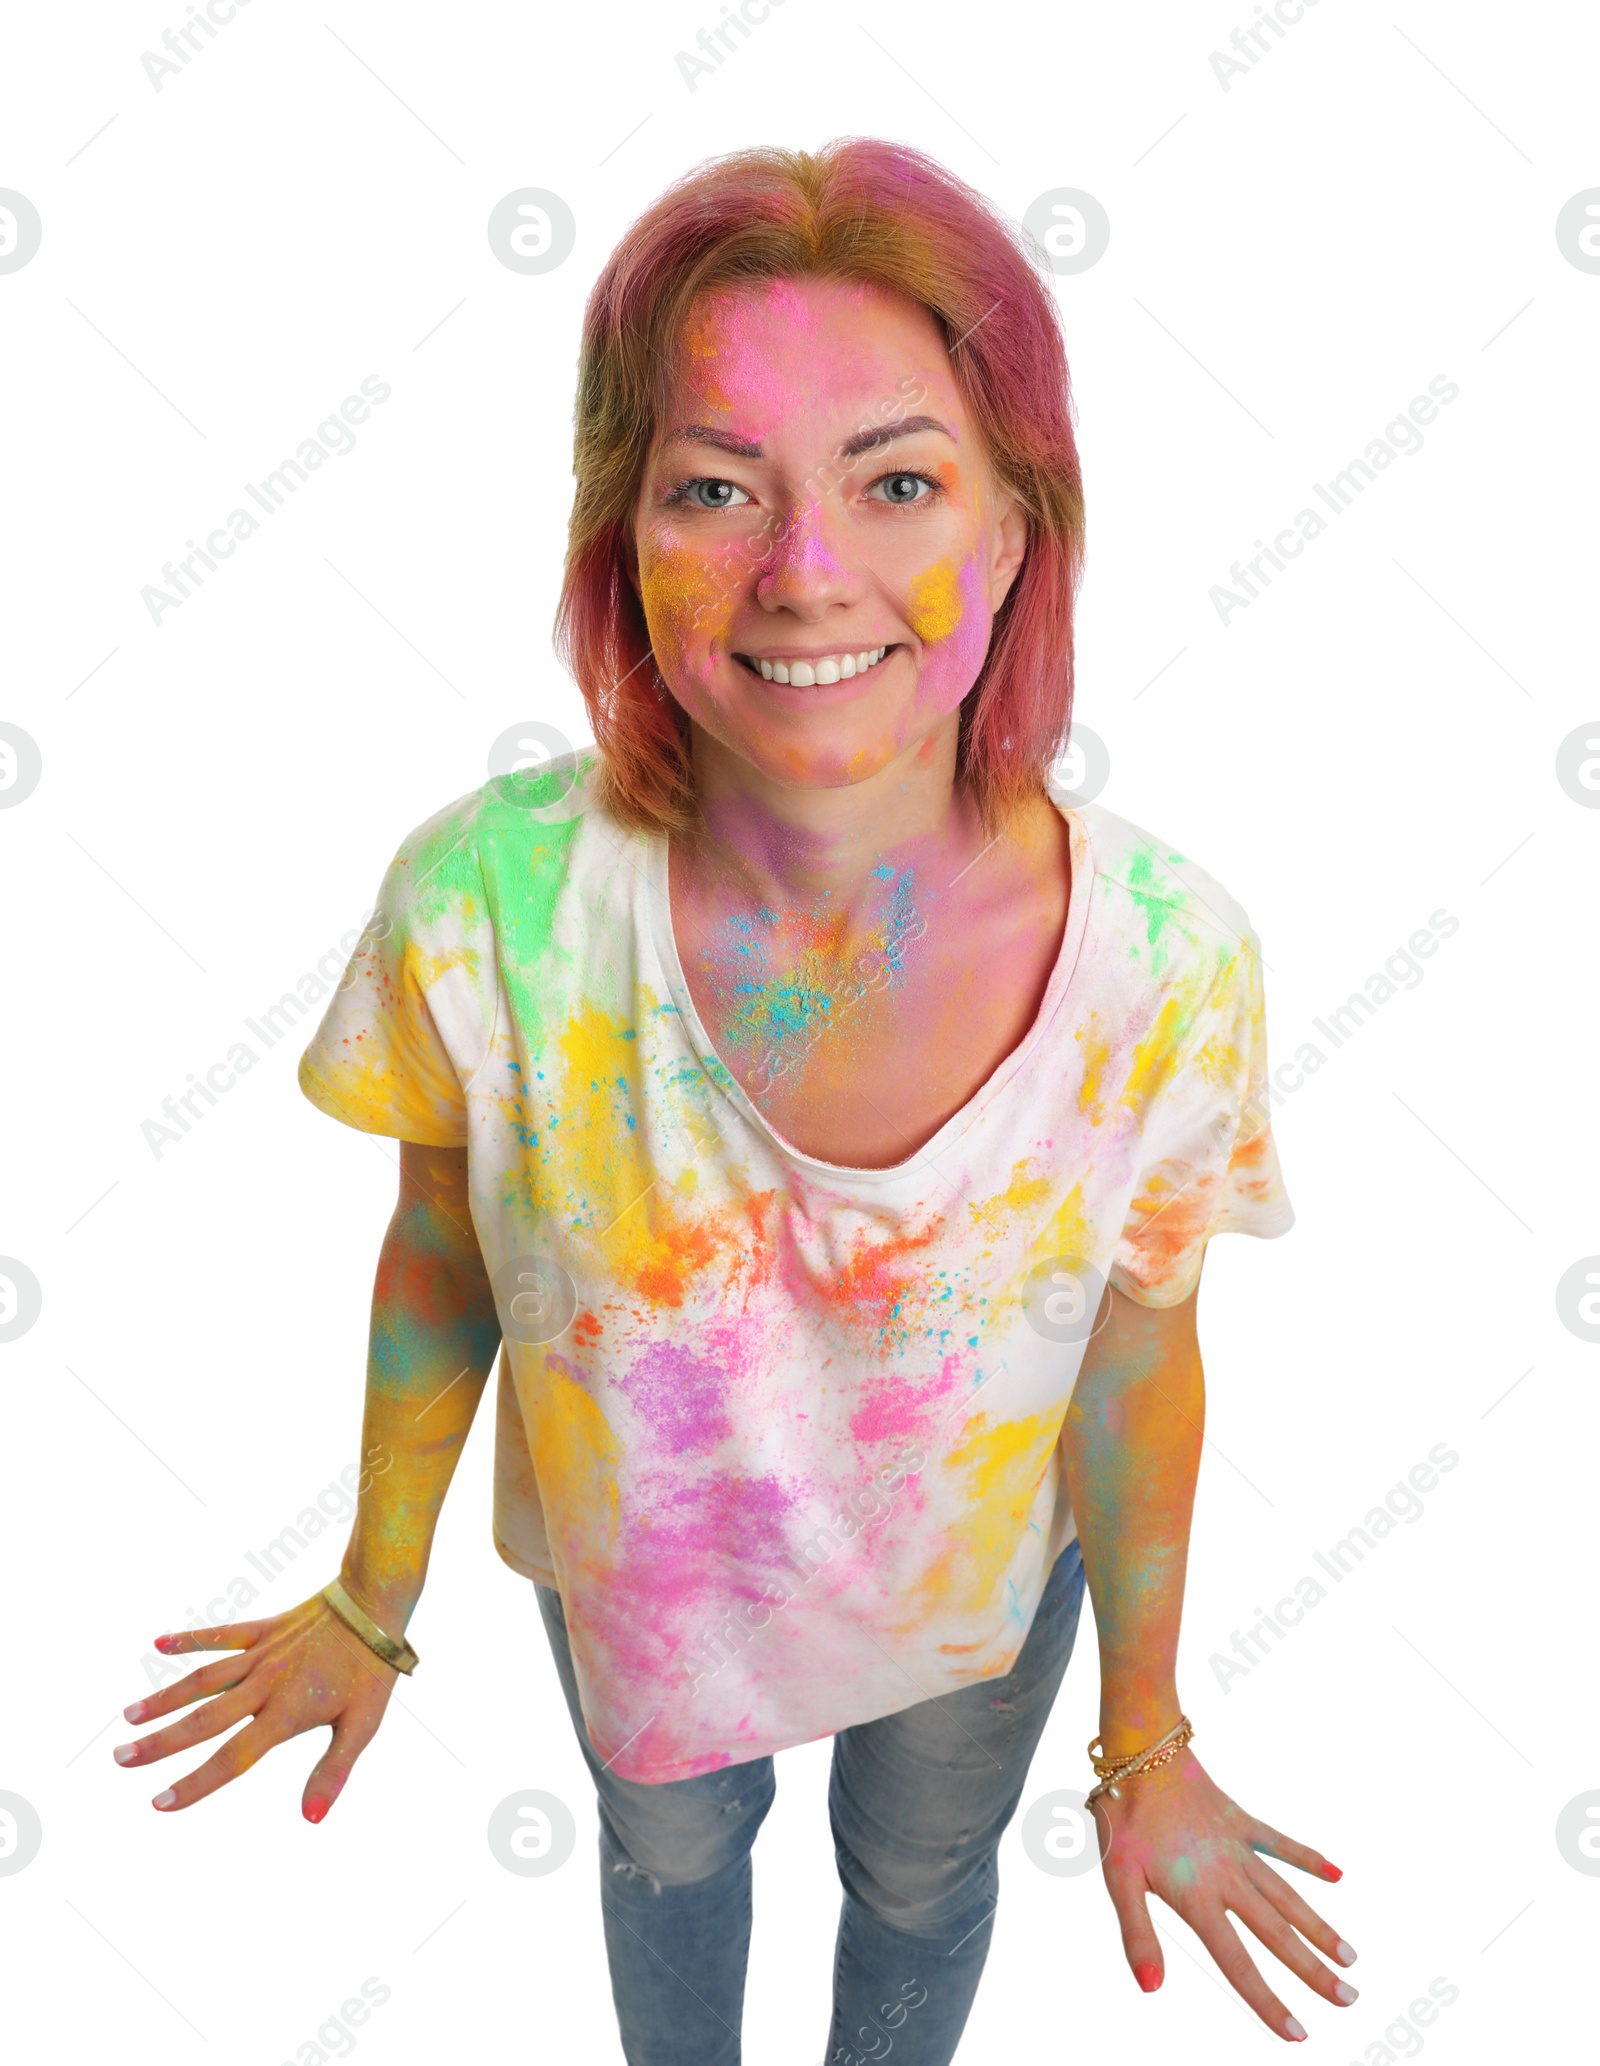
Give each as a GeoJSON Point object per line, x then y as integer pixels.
{"type": "Point", "coordinates": [785, 1434]}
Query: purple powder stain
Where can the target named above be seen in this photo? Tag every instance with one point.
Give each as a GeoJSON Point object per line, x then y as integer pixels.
{"type": "Point", "coordinates": [571, 1371]}
{"type": "Point", "coordinates": [693, 1549]}
{"type": "Point", "coordinates": [681, 1396]}
{"type": "Point", "coordinates": [724, 1520]}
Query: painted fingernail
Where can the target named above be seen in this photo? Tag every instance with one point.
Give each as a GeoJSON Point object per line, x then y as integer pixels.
{"type": "Point", "coordinates": [1295, 2030]}
{"type": "Point", "coordinates": [315, 1808]}
{"type": "Point", "coordinates": [1344, 1994]}
{"type": "Point", "coordinates": [165, 1642]}
{"type": "Point", "coordinates": [167, 1798]}
{"type": "Point", "coordinates": [1148, 1975]}
{"type": "Point", "coordinates": [1331, 1872]}
{"type": "Point", "coordinates": [1345, 1953]}
{"type": "Point", "coordinates": [125, 1753]}
{"type": "Point", "coordinates": [134, 1713]}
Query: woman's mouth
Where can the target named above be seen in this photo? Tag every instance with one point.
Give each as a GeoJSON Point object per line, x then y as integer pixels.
{"type": "Point", "coordinates": [804, 671]}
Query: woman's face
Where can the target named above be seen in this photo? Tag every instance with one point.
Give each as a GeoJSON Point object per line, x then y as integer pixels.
{"type": "Point", "coordinates": [818, 506]}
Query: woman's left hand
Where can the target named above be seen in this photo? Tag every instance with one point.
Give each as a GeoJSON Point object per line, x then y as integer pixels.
{"type": "Point", "coordinates": [1173, 1833]}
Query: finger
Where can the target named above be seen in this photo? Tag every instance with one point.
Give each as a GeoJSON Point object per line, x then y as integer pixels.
{"type": "Point", "coordinates": [237, 1755]}
{"type": "Point", "coordinates": [333, 1768]}
{"type": "Point", "coordinates": [1237, 1967]}
{"type": "Point", "coordinates": [1263, 1921]}
{"type": "Point", "coordinates": [1274, 1844]}
{"type": "Point", "coordinates": [216, 1677]}
{"type": "Point", "coordinates": [1140, 1944]}
{"type": "Point", "coordinates": [198, 1727]}
{"type": "Point", "coordinates": [227, 1635]}
{"type": "Point", "coordinates": [1300, 1912]}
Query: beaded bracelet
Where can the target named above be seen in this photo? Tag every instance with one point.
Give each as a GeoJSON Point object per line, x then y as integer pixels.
{"type": "Point", "coordinates": [1111, 1771]}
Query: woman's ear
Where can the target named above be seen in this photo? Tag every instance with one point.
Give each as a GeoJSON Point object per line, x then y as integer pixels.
{"type": "Point", "coordinates": [1009, 547]}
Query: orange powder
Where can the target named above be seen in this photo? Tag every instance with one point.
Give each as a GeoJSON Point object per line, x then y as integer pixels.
{"type": "Point", "coordinates": [700, 349]}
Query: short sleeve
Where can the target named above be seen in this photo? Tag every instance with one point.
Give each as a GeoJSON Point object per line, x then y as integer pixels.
{"type": "Point", "coordinates": [1208, 1162]}
{"type": "Point", "coordinates": [413, 1017]}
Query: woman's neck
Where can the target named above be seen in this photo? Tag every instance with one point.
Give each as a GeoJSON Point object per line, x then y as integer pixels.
{"type": "Point", "coordinates": [782, 848]}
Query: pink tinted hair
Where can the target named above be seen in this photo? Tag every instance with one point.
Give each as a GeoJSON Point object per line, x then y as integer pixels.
{"type": "Point", "coordinates": [858, 209]}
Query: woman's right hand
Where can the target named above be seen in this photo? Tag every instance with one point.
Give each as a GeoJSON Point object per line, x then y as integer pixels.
{"type": "Point", "coordinates": [300, 1670]}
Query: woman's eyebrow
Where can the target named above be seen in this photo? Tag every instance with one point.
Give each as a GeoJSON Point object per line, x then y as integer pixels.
{"type": "Point", "coordinates": [705, 434]}
{"type": "Point", "coordinates": [867, 439]}
{"type": "Point", "coordinates": [870, 436]}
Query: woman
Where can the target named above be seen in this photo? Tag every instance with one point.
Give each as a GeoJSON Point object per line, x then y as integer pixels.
{"type": "Point", "coordinates": [830, 1116]}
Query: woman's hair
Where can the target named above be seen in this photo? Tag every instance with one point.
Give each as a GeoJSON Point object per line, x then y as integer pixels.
{"type": "Point", "coordinates": [864, 210]}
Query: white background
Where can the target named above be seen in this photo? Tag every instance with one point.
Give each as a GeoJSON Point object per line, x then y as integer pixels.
{"type": "Point", "coordinates": [1373, 739]}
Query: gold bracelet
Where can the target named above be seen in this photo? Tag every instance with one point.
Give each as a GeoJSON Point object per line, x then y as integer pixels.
{"type": "Point", "coordinates": [1112, 1771]}
{"type": "Point", "coordinates": [400, 1655]}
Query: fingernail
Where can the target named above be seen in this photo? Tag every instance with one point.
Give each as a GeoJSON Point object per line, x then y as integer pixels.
{"type": "Point", "coordinates": [1148, 1975]}
{"type": "Point", "coordinates": [166, 1798]}
{"type": "Point", "coordinates": [315, 1808]}
{"type": "Point", "coordinates": [1295, 2030]}
{"type": "Point", "coordinates": [134, 1713]}
{"type": "Point", "coordinates": [165, 1642]}
{"type": "Point", "coordinates": [1345, 1953]}
{"type": "Point", "coordinates": [125, 1753]}
{"type": "Point", "coordinates": [1331, 1872]}
{"type": "Point", "coordinates": [1344, 1994]}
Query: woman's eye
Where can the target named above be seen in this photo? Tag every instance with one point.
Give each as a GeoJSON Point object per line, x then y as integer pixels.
{"type": "Point", "coordinates": [903, 487]}
{"type": "Point", "coordinates": [707, 494]}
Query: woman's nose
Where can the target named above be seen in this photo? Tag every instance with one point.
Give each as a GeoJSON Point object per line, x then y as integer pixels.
{"type": "Point", "coordinates": [805, 569]}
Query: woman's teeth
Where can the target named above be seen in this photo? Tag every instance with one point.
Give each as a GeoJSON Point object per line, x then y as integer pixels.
{"type": "Point", "coordinates": [805, 674]}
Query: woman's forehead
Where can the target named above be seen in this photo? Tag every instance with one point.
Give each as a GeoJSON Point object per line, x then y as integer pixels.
{"type": "Point", "coordinates": [785, 345]}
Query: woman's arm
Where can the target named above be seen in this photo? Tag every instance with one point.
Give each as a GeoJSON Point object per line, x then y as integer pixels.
{"type": "Point", "coordinates": [433, 1338]}
{"type": "Point", "coordinates": [1132, 1442]}
{"type": "Point", "coordinates": [432, 1344]}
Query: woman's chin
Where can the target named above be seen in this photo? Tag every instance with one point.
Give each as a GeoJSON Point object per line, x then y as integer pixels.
{"type": "Point", "coordinates": [818, 747]}
{"type": "Point", "coordinates": [807, 763]}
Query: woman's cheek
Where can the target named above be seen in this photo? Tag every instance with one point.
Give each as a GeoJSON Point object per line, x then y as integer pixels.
{"type": "Point", "coordinates": [687, 607]}
{"type": "Point", "coordinates": [947, 609]}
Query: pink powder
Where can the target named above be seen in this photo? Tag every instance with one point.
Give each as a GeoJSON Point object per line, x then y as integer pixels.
{"type": "Point", "coordinates": [901, 1405]}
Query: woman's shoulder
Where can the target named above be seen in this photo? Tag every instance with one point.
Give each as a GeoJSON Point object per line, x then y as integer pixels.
{"type": "Point", "coordinates": [531, 862]}
{"type": "Point", "coordinates": [1151, 886]}
{"type": "Point", "coordinates": [544, 803]}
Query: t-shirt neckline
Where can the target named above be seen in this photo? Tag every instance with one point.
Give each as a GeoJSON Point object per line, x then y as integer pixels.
{"type": "Point", "coordinates": [727, 1085]}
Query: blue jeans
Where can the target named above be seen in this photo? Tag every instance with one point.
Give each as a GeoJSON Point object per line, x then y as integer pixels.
{"type": "Point", "coordinates": [917, 1800]}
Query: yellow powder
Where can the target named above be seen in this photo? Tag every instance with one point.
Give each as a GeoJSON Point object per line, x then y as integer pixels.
{"type": "Point", "coordinates": [1152, 1058]}
{"type": "Point", "coordinates": [934, 606]}
{"type": "Point", "coordinates": [995, 1214]}
{"type": "Point", "coordinates": [1096, 1061]}
{"type": "Point", "coordinates": [574, 1454]}
{"type": "Point", "coordinates": [1002, 1466]}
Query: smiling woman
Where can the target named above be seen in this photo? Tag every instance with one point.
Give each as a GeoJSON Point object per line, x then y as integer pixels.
{"type": "Point", "coordinates": [913, 555]}
{"type": "Point", "coordinates": [706, 283]}
{"type": "Point", "coordinates": [827, 1117]}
